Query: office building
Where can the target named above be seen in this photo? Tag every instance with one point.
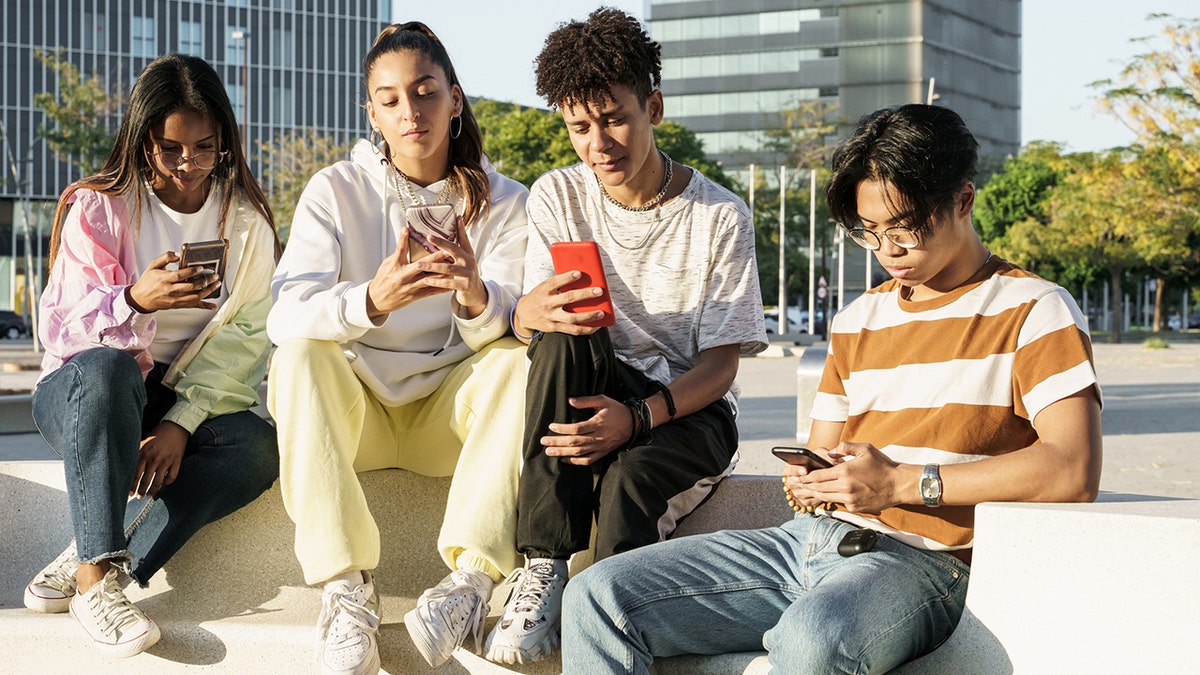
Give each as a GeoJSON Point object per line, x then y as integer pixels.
{"type": "Point", "coordinates": [730, 66]}
{"type": "Point", "coordinates": [286, 64]}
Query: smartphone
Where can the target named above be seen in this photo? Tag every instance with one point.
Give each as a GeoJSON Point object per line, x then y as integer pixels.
{"type": "Point", "coordinates": [802, 456]}
{"type": "Point", "coordinates": [430, 220]}
{"type": "Point", "coordinates": [207, 254]}
{"type": "Point", "coordinates": [585, 257]}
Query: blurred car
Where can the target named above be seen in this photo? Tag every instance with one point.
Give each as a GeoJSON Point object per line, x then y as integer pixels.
{"type": "Point", "coordinates": [12, 325]}
{"type": "Point", "coordinates": [797, 321]}
{"type": "Point", "coordinates": [1175, 321]}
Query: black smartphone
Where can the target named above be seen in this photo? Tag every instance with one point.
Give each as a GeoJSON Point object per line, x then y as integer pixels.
{"type": "Point", "coordinates": [207, 254]}
{"type": "Point", "coordinates": [429, 220]}
{"type": "Point", "coordinates": [802, 456]}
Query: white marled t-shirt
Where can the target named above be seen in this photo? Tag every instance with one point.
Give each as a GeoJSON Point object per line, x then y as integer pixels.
{"type": "Point", "coordinates": [683, 278]}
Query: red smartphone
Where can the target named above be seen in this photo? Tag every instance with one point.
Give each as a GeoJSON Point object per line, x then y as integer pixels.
{"type": "Point", "coordinates": [207, 254]}
{"type": "Point", "coordinates": [802, 456]}
{"type": "Point", "coordinates": [585, 257]}
{"type": "Point", "coordinates": [427, 220]}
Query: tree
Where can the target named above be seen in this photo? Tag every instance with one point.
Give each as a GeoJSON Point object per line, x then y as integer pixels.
{"type": "Point", "coordinates": [523, 143]}
{"type": "Point", "coordinates": [77, 117]}
{"type": "Point", "coordinates": [1020, 190]}
{"type": "Point", "coordinates": [289, 160]}
{"type": "Point", "coordinates": [1157, 96]}
{"type": "Point", "coordinates": [800, 138]}
{"type": "Point", "coordinates": [683, 146]}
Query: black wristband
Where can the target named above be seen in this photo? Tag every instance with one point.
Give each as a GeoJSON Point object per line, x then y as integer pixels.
{"type": "Point", "coordinates": [641, 421]}
{"type": "Point", "coordinates": [666, 392]}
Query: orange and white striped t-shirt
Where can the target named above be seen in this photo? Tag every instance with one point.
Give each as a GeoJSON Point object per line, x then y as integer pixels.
{"type": "Point", "coordinates": [954, 379]}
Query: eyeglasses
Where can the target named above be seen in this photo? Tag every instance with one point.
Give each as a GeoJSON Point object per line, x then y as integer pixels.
{"type": "Point", "coordinates": [904, 237]}
{"type": "Point", "coordinates": [203, 160]}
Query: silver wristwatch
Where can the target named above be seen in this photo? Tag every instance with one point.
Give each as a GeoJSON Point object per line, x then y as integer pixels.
{"type": "Point", "coordinates": [931, 486]}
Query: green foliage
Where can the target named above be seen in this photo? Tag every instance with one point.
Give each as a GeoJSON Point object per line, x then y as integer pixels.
{"type": "Point", "coordinates": [800, 140]}
{"type": "Point", "coordinates": [1156, 343]}
{"type": "Point", "coordinates": [1019, 191]}
{"type": "Point", "coordinates": [289, 160]}
{"type": "Point", "coordinates": [77, 115]}
{"type": "Point", "coordinates": [766, 235]}
{"type": "Point", "coordinates": [523, 143]}
{"type": "Point", "coordinates": [682, 144]}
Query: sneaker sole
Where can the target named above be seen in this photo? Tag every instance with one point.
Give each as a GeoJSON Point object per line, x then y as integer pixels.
{"type": "Point", "coordinates": [45, 605]}
{"type": "Point", "coordinates": [517, 656]}
{"type": "Point", "coordinates": [422, 640]}
{"type": "Point", "coordinates": [129, 648]}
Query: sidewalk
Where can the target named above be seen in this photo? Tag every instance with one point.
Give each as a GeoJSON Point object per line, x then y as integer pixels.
{"type": "Point", "coordinates": [1151, 413]}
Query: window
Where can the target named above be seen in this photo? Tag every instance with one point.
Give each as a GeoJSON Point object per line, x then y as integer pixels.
{"type": "Point", "coordinates": [93, 30]}
{"type": "Point", "coordinates": [826, 92]}
{"type": "Point", "coordinates": [235, 47]}
{"type": "Point", "coordinates": [142, 36]}
{"type": "Point", "coordinates": [191, 40]}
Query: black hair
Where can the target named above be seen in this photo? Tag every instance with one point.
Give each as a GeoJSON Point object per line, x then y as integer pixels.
{"type": "Point", "coordinates": [466, 149]}
{"type": "Point", "coordinates": [170, 84]}
{"type": "Point", "coordinates": [925, 152]}
{"type": "Point", "coordinates": [582, 60]}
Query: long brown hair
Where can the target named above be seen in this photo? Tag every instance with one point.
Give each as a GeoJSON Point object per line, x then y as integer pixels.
{"type": "Point", "coordinates": [466, 151]}
{"type": "Point", "coordinates": [169, 84]}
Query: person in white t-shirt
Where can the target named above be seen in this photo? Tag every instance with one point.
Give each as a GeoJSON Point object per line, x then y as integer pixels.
{"type": "Point", "coordinates": [647, 406]}
{"type": "Point", "coordinates": [151, 369]}
{"type": "Point", "coordinates": [394, 355]}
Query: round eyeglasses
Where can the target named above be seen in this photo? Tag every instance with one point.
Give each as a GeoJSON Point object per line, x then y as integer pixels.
{"type": "Point", "coordinates": [202, 160]}
{"type": "Point", "coordinates": [904, 237]}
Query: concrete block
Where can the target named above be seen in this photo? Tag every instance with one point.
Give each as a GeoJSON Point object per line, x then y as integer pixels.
{"type": "Point", "coordinates": [808, 376]}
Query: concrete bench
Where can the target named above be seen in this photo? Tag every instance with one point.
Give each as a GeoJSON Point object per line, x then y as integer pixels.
{"type": "Point", "coordinates": [234, 600]}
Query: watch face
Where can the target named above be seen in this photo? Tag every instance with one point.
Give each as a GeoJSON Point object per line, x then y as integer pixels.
{"type": "Point", "coordinates": [931, 488]}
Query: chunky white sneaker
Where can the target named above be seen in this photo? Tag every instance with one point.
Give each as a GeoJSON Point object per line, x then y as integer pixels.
{"type": "Point", "coordinates": [114, 624]}
{"type": "Point", "coordinates": [51, 590]}
{"type": "Point", "coordinates": [347, 627]}
{"type": "Point", "coordinates": [528, 629]}
{"type": "Point", "coordinates": [446, 613]}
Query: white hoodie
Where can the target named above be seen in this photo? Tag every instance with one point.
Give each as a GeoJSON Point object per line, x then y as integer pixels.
{"type": "Point", "coordinates": [346, 223]}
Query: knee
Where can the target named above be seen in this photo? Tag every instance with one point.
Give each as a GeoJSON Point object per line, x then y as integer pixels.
{"type": "Point", "coordinates": [115, 368]}
{"type": "Point", "coordinates": [593, 592]}
{"type": "Point", "coordinates": [297, 353]}
{"type": "Point", "coordinates": [803, 643]}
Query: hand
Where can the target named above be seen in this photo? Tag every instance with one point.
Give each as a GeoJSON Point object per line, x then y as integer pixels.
{"type": "Point", "coordinates": [398, 282]}
{"type": "Point", "coordinates": [543, 308]}
{"type": "Point", "coordinates": [159, 288]}
{"type": "Point", "coordinates": [588, 441]}
{"type": "Point", "coordinates": [159, 459]}
{"type": "Point", "coordinates": [459, 274]}
{"type": "Point", "coordinates": [862, 479]}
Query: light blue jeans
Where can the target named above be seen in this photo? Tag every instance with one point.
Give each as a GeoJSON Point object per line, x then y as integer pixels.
{"type": "Point", "coordinates": [94, 411]}
{"type": "Point", "coordinates": [784, 588]}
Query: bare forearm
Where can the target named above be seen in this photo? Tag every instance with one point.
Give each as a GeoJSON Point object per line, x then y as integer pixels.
{"type": "Point", "coordinates": [697, 388]}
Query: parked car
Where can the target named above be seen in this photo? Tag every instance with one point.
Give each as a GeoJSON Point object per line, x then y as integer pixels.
{"type": "Point", "coordinates": [1174, 321]}
{"type": "Point", "coordinates": [797, 321]}
{"type": "Point", "coordinates": [12, 325]}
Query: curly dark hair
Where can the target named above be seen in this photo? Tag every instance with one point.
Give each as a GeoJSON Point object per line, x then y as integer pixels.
{"type": "Point", "coordinates": [582, 60]}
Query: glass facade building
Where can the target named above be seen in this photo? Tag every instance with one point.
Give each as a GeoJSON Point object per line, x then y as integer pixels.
{"type": "Point", "coordinates": [285, 64]}
{"type": "Point", "coordinates": [730, 66]}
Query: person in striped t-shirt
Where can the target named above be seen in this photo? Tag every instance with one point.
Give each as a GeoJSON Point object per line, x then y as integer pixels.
{"type": "Point", "coordinates": [962, 379]}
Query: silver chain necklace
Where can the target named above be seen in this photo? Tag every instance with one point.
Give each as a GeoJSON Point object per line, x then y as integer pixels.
{"type": "Point", "coordinates": [404, 188]}
{"type": "Point", "coordinates": [653, 203]}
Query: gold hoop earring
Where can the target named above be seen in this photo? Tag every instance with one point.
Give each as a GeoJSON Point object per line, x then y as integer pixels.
{"type": "Point", "coordinates": [460, 125]}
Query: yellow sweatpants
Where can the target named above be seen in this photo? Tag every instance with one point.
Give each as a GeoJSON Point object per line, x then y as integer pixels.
{"type": "Point", "coordinates": [331, 426]}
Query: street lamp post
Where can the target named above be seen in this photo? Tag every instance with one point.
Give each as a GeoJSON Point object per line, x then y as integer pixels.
{"type": "Point", "coordinates": [244, 36]}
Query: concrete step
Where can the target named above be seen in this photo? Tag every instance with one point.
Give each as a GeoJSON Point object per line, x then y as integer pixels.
{"type": "Point", "coordinates": [234, 600]}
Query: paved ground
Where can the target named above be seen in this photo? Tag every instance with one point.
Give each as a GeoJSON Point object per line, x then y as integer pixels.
{"type": "Point", "coordinates": [1151, 414]}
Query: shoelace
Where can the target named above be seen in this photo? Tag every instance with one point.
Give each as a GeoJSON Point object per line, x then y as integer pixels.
{"type": "Point", "coordinates": [456, 609]}
{"type": "Point", "coordinates": [60, 574]}
{"type": "Point", "coordinates": [345, 618]}
{"type": "Point", "coordinates": [113, 611]}
{"type": "Point", "coordinates": [533, 583]}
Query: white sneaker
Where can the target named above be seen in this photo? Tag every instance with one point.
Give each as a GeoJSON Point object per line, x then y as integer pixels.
{"type": "Point", "coordinates": [51, 590]}
{"type": "Point", "coordinates": [446, 613]}
{"type": "Point", "coordinates": [347, 627]}
{"type": "Point", "coordinates": [114, 624]}
{"type": "Point", "coordinates": [528, 629]}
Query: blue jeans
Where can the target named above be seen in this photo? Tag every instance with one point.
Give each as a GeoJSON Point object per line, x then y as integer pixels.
{"type": "Point", "coordinates": [94, 411]}
{"type": "Point", "coordinates": [784, 588]}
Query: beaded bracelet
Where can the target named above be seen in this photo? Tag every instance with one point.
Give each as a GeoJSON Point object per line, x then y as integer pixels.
{"type": "Point", "coordinates": [512, 314]}
{"type": "Point", "coordinates": [803, 508]}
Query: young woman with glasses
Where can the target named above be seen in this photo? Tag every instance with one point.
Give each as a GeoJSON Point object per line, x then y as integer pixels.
{"type": "Point", "coordinates": [151, 368]}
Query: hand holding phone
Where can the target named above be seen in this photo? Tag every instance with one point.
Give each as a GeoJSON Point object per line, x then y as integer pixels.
{"type": "Point", "coordinates": [430, 220]}
{"type": "Point", "coordinates": [207, 254]}
{"type": "Point", "coordinates": [802, 457]}
{"type": "Point", "coordinates": [584, 256]}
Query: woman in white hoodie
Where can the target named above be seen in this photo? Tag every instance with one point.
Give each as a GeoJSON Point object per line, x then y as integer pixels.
{"type": "Point", "coordinates": [391, 356]}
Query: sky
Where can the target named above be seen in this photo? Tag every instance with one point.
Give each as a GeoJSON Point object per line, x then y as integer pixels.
{"type": "Point", "coordinates": [1066, 44]}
